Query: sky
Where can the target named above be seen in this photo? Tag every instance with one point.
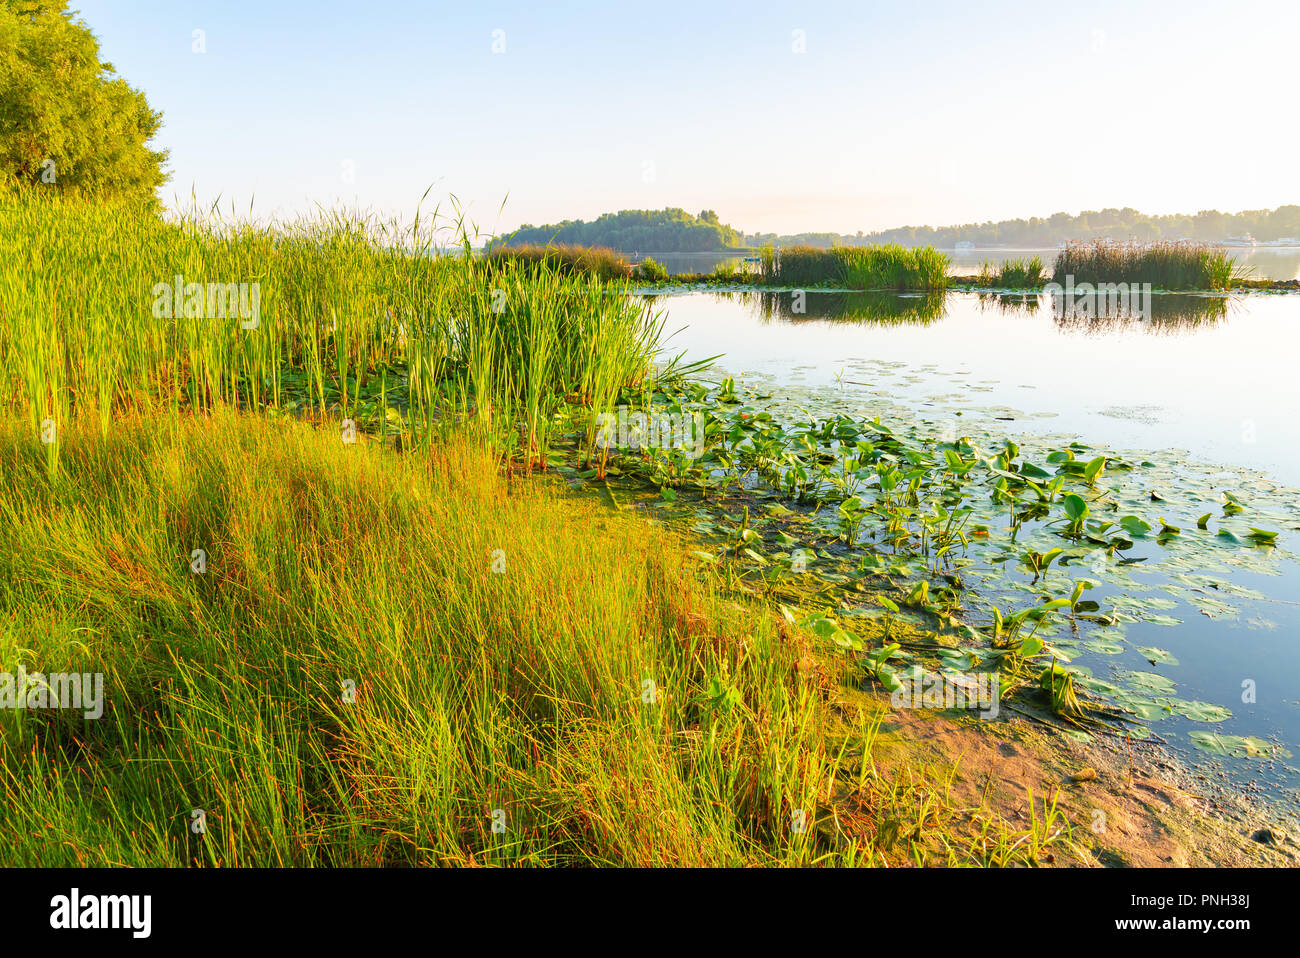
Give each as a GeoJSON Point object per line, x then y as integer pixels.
{"type": "Point", "coordinates": [782, 117]}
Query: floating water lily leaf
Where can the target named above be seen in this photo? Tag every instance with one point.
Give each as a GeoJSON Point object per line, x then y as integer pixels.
{"type": "Point", "coordinates": [1203, 711]}
{"type": "Point", "coordinates": [1104, 646]}
{"type": "Point", "coordinates": [1149, 680]}
{"type": "Point", "coordinates": [1234, 746]}
{"type": "Point", "coordinates": [1162, 620]}
{"type": "Point", "coordinates": [1147, 709]}
{"type": "Point", "coordinates": [1075, 507]}
{"type": "Point", "coordinates": [1157, 656]}
{"type": "Point", "coordinates": [1135, 526]}
{"type": "Point", "coordinates": [1213, 608]}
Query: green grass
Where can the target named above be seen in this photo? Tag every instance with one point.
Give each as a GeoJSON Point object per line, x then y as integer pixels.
{"type": "Point", "coordinates": [592, 261]}
{"type": "Point", "coordinates": [476, 689]}
{"type": "Point", "coordinates": [497, 633]}
{"type": "Point", "coordinates": [1171, 265]}
{"type": "Point", "coordinates": [346, 302]}
{"type": "Point", "coordinates": [498, 637]}
{"type": "Point", "coordinates": [651, 270]}
{"type": "Point", "coordinates": [1016, 273]}
{"type": "Point", "coordinates": [890, 267]}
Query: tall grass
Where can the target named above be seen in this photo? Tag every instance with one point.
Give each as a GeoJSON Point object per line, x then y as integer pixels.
{"type": "Point", "coordinates": [387, 654]}
{"type": "Point", "coordinates": [1169, 265]}
{"type": "Point", "coordinates": [382, 655]}
{"type": "Point", "coordinates": [602, 263]}
{"type": "Point", "coordinates": [346, 301]}
{"type": "Point", "coordinates": [1017, 273]}
{"type": "Point", "coordinates": [890, 267]}
{"type": "Point", "coordinates": [483, 679]}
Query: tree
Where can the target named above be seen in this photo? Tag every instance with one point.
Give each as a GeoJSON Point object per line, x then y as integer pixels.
{"type": "Point", "coordinates": [66, 119]}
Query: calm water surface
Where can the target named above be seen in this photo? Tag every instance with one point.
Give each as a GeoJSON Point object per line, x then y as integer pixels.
{"type": "Point", "coordinates": [1207, 382]}
{"type": "Point", "coordinates": [1263, 262]}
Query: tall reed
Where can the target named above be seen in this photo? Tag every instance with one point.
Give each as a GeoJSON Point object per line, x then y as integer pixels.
{"type": "Point", "coordinates": [1015, 273]}
{"type": "Point", "coordinates": [602, 263]}
{"type": "Point", "coordinates": [91, 323]}
{"type": "Point", "coordinates": [891, 267]}
{"type": "Point", "coordinates": [1167, 265]}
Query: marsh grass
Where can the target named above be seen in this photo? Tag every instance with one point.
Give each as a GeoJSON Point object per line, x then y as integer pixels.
{"type": "Point", "coordinates": [1169, 265]}
{"type": "Point", "coordinates": [484, 679]}
{"type": "Point", "coordinates": [1019, 273]}
{"type": "Point", "coordinates": [890, 267]}
{"type": "Point", "coordinates": [498, 636]}
{"type": "Point", "coordinates": [345, 301]}
{"type": "Point", "coordinates": [571, 260]}
{"type": "Point", "coordinates": [477, 689]}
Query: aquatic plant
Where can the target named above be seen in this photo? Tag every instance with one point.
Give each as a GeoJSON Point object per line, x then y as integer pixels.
{"type": "Point", "coordinates": [344, 310]}
{"type": "Point", "coordinates": [1165, 265]}
{"type": "Point", "coordinates": [1014, 273]}
{"type": "Point", "coordinates": [589, 261]}
{"type": "Point", "coordinates": [889, 267]}
{"type": "Point", "coordinates": [651, 270]}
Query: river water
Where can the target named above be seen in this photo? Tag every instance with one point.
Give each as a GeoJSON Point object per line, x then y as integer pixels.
{"type": "Point", "coordinates": [1203, 392]}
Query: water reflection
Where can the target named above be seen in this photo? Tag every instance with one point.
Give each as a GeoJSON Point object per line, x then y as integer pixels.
{"type": "Point", "coordinates": [794, 306]}
{"type": "Point", "coordinates": [1009, 303]}
{"type": "Point", "coordinates": [1168, 314]}
{"type": "Point", "coordinates": [1160, 314]}
{"type": "Point", "coordinates": [1263, 262]}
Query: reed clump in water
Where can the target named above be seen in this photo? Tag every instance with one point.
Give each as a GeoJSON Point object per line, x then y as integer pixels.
{"type": "Point", "coordinates": [1016, 273]}
{"type": "Point", "coordinates": [889, 267]}
{"type": "Point", "coordinates": [1166, 265]}
{"type": "Point", "coordinates": [571, 260]}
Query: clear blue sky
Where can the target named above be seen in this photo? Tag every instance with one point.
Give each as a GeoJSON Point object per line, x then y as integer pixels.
{"type": "Point", "coordinates": [896, 113]}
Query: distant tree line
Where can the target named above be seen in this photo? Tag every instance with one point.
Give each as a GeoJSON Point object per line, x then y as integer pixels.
{"type": "Point", "coordinates": [670, 230]}
{"type": "Point", "coordinates": [674, 230]}
{"type": "Point", "coordinates": [1038, 232]}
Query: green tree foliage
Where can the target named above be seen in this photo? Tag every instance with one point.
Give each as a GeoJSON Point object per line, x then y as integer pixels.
{"type": "Point", "coordinates": [1043, 233]}
{"type": "Point", "coordinates": [66, 119]}
{"type": "Point", "coordinates": [638, 231]}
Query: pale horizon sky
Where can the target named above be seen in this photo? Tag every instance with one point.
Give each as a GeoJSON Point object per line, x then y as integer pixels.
{"type": "Point", "coordinates": [893, 114]}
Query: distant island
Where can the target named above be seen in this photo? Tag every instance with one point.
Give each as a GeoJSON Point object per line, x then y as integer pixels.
{"type": "Point", "coordinates": [674, 230]}
{"type": "Point", "coordinates": [670, 230]}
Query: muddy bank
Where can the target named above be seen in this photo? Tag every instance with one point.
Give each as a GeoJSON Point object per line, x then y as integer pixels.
{"type": "Point", "coordinates": [1129, 803]}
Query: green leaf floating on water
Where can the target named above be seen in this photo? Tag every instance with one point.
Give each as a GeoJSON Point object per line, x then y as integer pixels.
{"type": "Point", "coordinates": [1135, 526]}
{"type": "Point", "coordinates": [1234, 746]}
{"type": "Point", "coordinates": [1157, 656]}
{"type": "Point", "coordinates": [1075, 507]}
{"type": "Point", "coordinates": [1203, 711]}
{"type": "Point", "coordinates": [1162, 620]}
{"type": "Point", "coordinates": [1151, 681]}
